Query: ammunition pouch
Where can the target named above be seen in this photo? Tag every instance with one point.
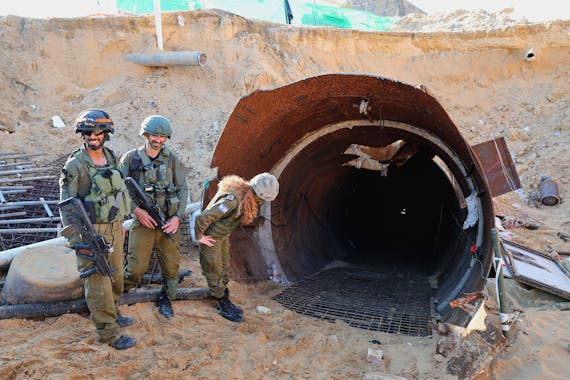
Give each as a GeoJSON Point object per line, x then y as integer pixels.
{"type": "Point", "coordinates": [108, 199]}
{"type": "Point", "coordinates": [172, 206]}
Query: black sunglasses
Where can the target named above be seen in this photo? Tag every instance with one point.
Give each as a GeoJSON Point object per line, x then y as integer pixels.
{"type": "Point", "coordinates": [88, 133]}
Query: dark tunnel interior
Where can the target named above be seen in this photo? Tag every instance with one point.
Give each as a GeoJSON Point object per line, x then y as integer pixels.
{"type": "Point", "coordinates": [407, 221]}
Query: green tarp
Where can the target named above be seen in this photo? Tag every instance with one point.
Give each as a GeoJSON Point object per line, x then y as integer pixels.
{"type": "Point", "coordinates": [304, 12]}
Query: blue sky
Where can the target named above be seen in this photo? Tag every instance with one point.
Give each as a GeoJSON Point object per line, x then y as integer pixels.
{"type": "Point", "coordinates": [533, 10]}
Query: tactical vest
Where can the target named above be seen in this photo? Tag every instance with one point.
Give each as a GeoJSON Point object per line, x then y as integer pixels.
{"type": "Point", "coordinates": [108, 199]}
{"type": "Point", "coordinates": [156, 179]}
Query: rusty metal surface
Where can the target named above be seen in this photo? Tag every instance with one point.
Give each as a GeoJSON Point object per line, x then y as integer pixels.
{"type": "Point", "coordinates": [265, 124]}
{"type": "Point", "coordinates": [319, 197]}
{"type": "Point", "coordinates": [498, 166]}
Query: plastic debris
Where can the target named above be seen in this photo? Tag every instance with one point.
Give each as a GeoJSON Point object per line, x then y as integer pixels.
{"type": "Point", "coordinates": [374, 356]}
{"type": "Point", "coordinates": [57, 122]}
{"type": "Point", "coordinates": [263, 310]}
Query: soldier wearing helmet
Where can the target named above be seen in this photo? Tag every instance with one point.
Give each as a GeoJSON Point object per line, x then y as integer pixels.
{"type": "Point", "coordinates": [162, 176]}
{"type": "Point", "coordinates": [236, 201]}
{"type": "Point", "coordinates": [91, 175]}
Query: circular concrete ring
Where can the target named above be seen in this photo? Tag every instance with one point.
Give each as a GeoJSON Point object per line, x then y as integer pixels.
{"type": "Point", "coordinates": [43, 274]}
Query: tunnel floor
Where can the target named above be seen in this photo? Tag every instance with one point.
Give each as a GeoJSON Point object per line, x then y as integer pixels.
{"type": "Point", "coordinates": [370, 298]}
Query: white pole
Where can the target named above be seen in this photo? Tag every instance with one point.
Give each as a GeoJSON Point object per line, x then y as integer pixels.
{"type": "Point", "coordinates": [8, 255]}
{"type": "Point", "coordinates": [158, 24]}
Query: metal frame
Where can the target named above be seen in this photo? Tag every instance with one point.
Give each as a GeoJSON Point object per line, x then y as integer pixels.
{"type": "Point", "coordinates": [536, 269]}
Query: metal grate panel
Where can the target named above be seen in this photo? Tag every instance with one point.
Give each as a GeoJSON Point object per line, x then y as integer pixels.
{"type": "Point", "coordinates": [368, 298]}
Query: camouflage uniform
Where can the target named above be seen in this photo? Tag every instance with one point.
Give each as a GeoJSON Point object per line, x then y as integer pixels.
{"type": "Point", "coordinates": [164, 180]}
{"type": "Point", "coordinates": [77, 180]}
{"type": "Point", "coordinates": [218, 220]}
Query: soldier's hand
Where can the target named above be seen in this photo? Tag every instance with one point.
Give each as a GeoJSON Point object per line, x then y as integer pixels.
{"type": "Point", "coordinates": [207, 240]}
{"type": "Point", "coordinates": [145, 219]}
{"type": "Point", "coordinates": [82, 249]}
{"type": "Point", "coordinates": [171, 226]}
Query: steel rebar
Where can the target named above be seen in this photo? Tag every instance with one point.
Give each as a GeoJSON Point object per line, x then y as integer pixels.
{"type": "Point", "coordinates": [6, 156]}
{"type": "Point", "coordinates": [24, 179]}
{"type": "Point", "coordinates": [12, 214]}
{"type": "Point", "coordinates": [20, 171]}
{"type": "Point", "coordinates": [31, 220]}
{"type": "Point", "coordinates": [28, 203]}
{"type": "Point", "coordinates": [28, 230]}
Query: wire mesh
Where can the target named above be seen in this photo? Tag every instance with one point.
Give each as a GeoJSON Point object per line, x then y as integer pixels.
{"type": "Point", "coordinates": [375, 299]}
{"type": "Point", "coordinates": [47, 188]}
{"type": "Point", "coordinates": [34, 189]}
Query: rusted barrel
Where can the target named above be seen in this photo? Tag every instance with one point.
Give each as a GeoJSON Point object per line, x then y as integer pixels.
{"type": "Point", "coordinates": [548, 190]}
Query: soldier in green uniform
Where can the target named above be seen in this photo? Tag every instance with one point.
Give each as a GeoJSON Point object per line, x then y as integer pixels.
{"type": "Point", "coordinates": [91, 175]}
{"type": "Point", "coordinates": [163, 178]}
{"type": "Point", "coordinates": [236, 201]}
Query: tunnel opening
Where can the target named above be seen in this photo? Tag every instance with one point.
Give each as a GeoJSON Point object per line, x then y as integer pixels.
{"type": "Point", "coordinates": [383, 214]}
{"type": "Point", "coordinates": [398, 226]}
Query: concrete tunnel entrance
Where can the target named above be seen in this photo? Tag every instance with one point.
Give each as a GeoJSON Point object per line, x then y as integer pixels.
{"type": "Point", "coordinates": [384, 214]}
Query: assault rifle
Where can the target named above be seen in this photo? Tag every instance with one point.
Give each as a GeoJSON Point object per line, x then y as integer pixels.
{"type": "Point", "coordinates": [143, 201]}
{"type": "Point", "coordinates": [93, 247]}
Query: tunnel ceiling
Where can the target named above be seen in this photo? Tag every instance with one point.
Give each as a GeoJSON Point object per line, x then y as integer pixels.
{"type": "Point", "coordinates": [266, 124]}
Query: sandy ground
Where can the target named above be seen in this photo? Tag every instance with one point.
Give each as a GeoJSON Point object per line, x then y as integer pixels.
{"type": "Point", "coordinates": [59, 67]}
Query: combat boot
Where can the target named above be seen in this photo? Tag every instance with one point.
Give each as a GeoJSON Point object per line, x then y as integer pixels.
{"type": "Point", "coordinates": [123, 321]}
{"type": "Point", "coordinates": [164, 305]}
{"type": "Point", "coordinates": [123, 343]}
{"type": "Point", "coordinates": [238, 310]}
{"type": "Point", "coordinates": [225, 310]}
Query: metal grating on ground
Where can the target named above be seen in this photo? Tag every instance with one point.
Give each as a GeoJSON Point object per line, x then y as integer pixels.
{"type": "Point", "coordinates": [371, 299]}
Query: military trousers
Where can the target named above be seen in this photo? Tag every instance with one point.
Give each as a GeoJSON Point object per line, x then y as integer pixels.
{"type": "Point", "coordinates": [215, 263]}
{"type": "Point", "coordinates": [101, 293]}
{"type": "Point", "coordinates": [141, 242]}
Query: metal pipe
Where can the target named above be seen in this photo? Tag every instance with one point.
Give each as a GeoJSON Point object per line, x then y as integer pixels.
{"type": "Point", "coordinates": [8, 255]}
{"type": "Point", "coordinates": [46, 207]}
{"type": "Point", "coordinates": [28, 203]}
{"type": "Point", "coordinates": [172, 58]}
{"type": "Point", "coordinates": [31, 220]}
{"type": "Point", "coordinates": [18, 165]}
{"type": "Point", "coordinates": [25, 179]}
{"type": "Point", "coordinates": [21, 187]}
{"type": "Point", "coordinates": [28, 230]}
{"type": "Point", "coordinates": [21, 171]}
{"type": "Point", "coordinates": [10, 207]}
{"type": "Point", "coordinates": [13, 192]}
{"type": "Point", "coordinates": [6, 156]}
{"type": "Point", "coordinates": [12, 214]}
{"type": "Point", "coordinates": [500, 281]}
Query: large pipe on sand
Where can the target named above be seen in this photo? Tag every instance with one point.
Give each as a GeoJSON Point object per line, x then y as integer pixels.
{"type": "Point", "coordinates": [172, 58]}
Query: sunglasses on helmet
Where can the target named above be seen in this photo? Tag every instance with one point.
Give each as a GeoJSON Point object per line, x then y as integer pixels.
{"type": "Point", "coordinates": [90, 122]}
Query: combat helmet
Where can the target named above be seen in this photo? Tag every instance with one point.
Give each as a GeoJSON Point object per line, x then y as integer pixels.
{"type": "Point", "coordinates": [156, 125]}
{"type": "Point", "coordinates": [93, 120]}
{"type": "Point", "coordinates": [266, 186]}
